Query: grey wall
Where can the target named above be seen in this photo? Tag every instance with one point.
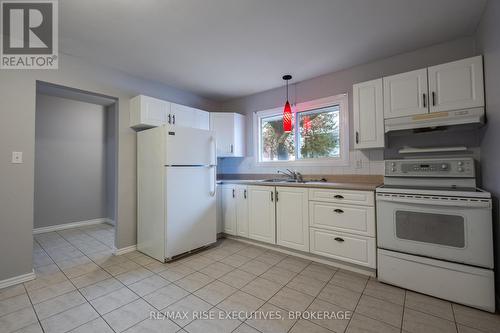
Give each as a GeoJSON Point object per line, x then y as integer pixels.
{"type": "Point", "coordinates": [111, 156]}
{"type": "Point", "coordinates": [17, 133]}
{"type": "Point", "coordinates": [338, 83]}
{"type": "Point", "coordinates": [488, 37]}
{"type": "Point", "coordinates": [70, 161]}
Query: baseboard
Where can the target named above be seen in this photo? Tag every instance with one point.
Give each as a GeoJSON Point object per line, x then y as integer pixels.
{"type": "Point", "coordinates": [71, 225]}
{"type": "Point", "coordinates": [123, 250]}
{"type": "Point", "coordinates": [17, 279]}
{"type": "Point", "coordinates": [110, 222]}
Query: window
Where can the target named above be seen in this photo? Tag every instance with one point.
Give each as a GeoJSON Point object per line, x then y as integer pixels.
{"type": "Point", "coordinates": [319, 134]}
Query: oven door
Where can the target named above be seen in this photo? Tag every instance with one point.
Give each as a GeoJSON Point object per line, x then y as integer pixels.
{"type": "Point", "coordinates": [449, 228]}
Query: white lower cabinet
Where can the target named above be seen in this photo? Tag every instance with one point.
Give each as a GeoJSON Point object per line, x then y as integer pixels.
{"type": "Point", "coordinates": [228, 193]}
{"type": "Point", "coordinates": [261, 213]}
{"type": "Point", "coordinates": [242, 210]}
{"type": "Point", "coordinates": [292, 218]}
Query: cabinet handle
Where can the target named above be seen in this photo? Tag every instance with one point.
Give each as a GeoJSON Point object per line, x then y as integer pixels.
{"type": "Point", "coordinates": [169, 119]}
{"type": "Point", "coordinates": [245, 194]}
{"type": "Point", "coordinates": [338, 196]}
{"type": "Point", "coordinates": [338, 211]}
{"type": "Point", "coordinates": [231, 148]}
{"type": "Point", "coordinates": [424, 97]}
{"type": "Point", "coordinates": [338, 239]}
{"type": "Point", "coordinates": [357, 137]}
{"type": "Point", "coordinates": [433, 98]}
{"type": "Point", "coordinates": [272, 196]}
{"type": "Point", "coordinates": [173, 119]}
{"type": "Point", "coordinates": [233, 192]}
{"type": "Point", "coordinates": [276, 196]}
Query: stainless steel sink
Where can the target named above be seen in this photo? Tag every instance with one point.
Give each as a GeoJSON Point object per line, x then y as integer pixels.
{"type": "Point", "coordinates": [281, 180]}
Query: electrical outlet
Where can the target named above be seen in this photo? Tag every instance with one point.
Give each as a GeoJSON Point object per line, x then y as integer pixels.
{"type": "Point", "coordinates": [17, 157]}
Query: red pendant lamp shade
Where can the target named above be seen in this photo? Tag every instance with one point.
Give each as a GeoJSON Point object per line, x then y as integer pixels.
{"type": "Point", "coordinates": [287, 110]}
{"type": "Point", "coordinates": [287, 118]}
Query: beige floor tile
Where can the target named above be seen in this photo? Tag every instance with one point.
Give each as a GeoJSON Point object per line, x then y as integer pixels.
{"type": "Point", "coordinates": [362, 324]}
{"type": "Point", "coordinates": [69, 319]}
{"type": "Point", "coordinates": [474, 318]}
{"type": "Point", "coordinates": [350, 281]}
{"type": "Point", "coordinates": [306, 284]}
{"type": "Point", "coordinates": [280, 322]}
{"type": "Point", "coordinates": [293, 264]}
{"type": "Point", "coordinates": [340, 296]}
{"type": "Point", "coordinates": [261, 288]}
{"type": "Point", "coordinates": [215, 292]}
{"type": "Point", "coordinates": [319, 271]}
{"type": "Point", "coordinates": [13, 304]}
{"type": "Point", "coordinates": [156, 267]}
{"type": "Point", "coordinates": [148, 285]}
{"type": "Point", "coordinates": [174, 273]}
{"type": "Point", "coordinates": [113, 300]}
{"type": "Point", "coordinates": [338, 323]}
{"type": "Point", "coordinates": [237, 278]}
{"type": "Point", "coordinates": [251, 251]}
{"type": "Point", "coordinates": [217, 269]}
{"type": "Point", "coordinates": [189, 305]}
{"type": "Point", "coordinates": [244, 328]}
{"type": "Point", "coordinates": [278, 275]}
{"type": "Point", "coordinates": [122, 267]}
{"type": "Point", "coordinates": [154, 326]}
{"type": "Point", "coordinates": [101, 288]}
{"type": "Point", "coordinates": [303, 326]}
{"type": "Point", "coordinates": [82, 269]}
{"type": "Point", "coordinates": [378, 309]}
{"type": "Point", "coordinates": [292, 300]}
{"type": "Point", "coordinates": [90, 278]}
{"type": "Point", "coordinates": [241, 301]}
{"type": "Point", "coordinates": [165, 296]}
{"type": "Point", "coordinates": [217, 254]}
{"type": "Point", "coordinates": [43, 294]}
{"type": "Point", "coordinates": [95, 326]}
{"type": "Point", "coordinates": [430, 305]}
{"type": "Point", "coordinates": [45, 280]}
{"type": "Point", "coordinates": [465, 329]}
{"type": "Point", "coordinates": [143, 260]}
{"type": "Point", "coordinates": [17, 320]}
{"type": "Point", "coordinates": [212, 326]}
{"type": "Point", "coordinates": [134, 275]}
{"type": "Point", "coordinates": [419, 322]}
{"type": "Point", "coordinates": [199, 263]}
{"type": "Point", "coordinates": [33, 328]}
{"type": "Point", "coordinates": [128, 315]}
{"type": "Point", "coordinates": [384, 291]}
{"type": "Point", "coordinates": [255, 267]}
{"type": "Point", "coordinates": [194, 281]}
{"type": "Point", "coordinates": [12, 291]}
{"type": "Point", "coordinates": [271, 257]}
{"type": "Point", "coordinates": [58, 304]}
{"type": "Point", "coordinates": [235, 260]}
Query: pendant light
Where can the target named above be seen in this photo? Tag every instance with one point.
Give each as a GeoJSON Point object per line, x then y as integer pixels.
{"type": "Point", "coordinates": [287, 110]}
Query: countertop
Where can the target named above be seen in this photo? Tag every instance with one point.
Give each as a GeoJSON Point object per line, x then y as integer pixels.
{"type": "Point", "coordinates": [344, 185]}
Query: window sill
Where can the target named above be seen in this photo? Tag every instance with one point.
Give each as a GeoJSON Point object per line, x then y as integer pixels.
{"type": "Point", "coordinates": [318, 162]}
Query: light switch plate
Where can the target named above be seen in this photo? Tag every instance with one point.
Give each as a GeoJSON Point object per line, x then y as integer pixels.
{"type": "Point", "coordinates": [17, 157]}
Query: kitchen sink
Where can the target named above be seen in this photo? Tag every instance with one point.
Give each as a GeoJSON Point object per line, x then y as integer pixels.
{"type": "Point", "coordinates": [281, 180]}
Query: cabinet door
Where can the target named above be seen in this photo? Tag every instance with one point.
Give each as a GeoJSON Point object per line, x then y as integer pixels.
{"type": "Point", "coordinates": [292, 218]}
{"type": "Point", "coordinates": [147, 112]}
{"type": "Point", "coordinates": [406, 94]}
{"type": "Point", "coordinates": [457, 85]}
{"type": "Point", "coordinates": [223, 125]}
{"type": "Point", "coordinates": [229, 209]}
{"type": "Point", "coordinates": [368, 106]}
{"type": "Point", "coordinates": [261, 210]}
{"type": "Point", "coordinates": [181, 115]}
{"type": "Point", "coordinates": [242, 211]}
{"type": "Point", "coordinates": [201, 119]}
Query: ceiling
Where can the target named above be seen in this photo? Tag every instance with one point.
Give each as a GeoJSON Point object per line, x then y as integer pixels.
{"type": "Point", "coordinates": [223, 49]}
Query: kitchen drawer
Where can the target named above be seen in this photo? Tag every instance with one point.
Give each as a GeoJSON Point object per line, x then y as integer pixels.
{"type": "Point", "coordinates": [351, 248]}
{"type": "Point", "coordinates": [344, 218]}
{"type": "Point", "coordinates": [342, 196]}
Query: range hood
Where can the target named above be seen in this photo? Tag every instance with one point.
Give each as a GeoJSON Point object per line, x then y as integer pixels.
{"type": "Point", "coordinates": [473, 116]}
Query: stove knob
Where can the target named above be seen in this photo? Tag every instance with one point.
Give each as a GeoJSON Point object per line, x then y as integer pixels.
{"type": "Point", "coordinates": [444, 166]}
{"type": "Point", "coordinates": [460, 163]}
{"type": "Point", "coordinates": [460, 169]}
{"type": "Point", "coordinates": [393, 169]}
{"type": "Point", "coordinates": [393, 164]}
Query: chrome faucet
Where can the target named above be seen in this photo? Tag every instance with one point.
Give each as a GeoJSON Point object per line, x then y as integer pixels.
{"type": "Point", "coordinates": [293, 175]}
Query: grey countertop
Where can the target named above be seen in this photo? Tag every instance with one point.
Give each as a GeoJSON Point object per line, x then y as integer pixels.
{"type": "Point", "coordinates": [344, 185]}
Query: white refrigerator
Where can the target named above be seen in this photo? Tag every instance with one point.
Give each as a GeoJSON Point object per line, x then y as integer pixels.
{"type": "Point", "coordinates": [176, 191]}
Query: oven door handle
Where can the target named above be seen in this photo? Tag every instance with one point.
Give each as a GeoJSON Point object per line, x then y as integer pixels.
{"type": "Point", "coordinates": [467, 203]}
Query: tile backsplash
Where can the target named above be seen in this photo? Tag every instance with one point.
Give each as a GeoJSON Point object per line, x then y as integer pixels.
{"type": "Point", "coordinates": [362, 162]}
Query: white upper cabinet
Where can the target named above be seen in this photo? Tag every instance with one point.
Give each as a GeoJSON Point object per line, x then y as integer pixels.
{"type": "Point", "coordinates": [148, 112]}
{"type": "Point", "coordinates": [292, 218]}
{"type": "Point", "coordinates": [456, 85]}
{"type": "Point", "coordinates": [230, 133]}
{"type": "Point", "coordinates": [368, 107]}
{"type": "Point", "coordinates": [261, 214]}
{"type": "Point", "coordinates": [185, 116]}
{"type": "Point", "coordinates": [406, 94]}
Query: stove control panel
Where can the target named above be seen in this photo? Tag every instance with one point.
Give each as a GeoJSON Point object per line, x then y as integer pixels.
{"type": "Point", "coordinates": [445, 168]}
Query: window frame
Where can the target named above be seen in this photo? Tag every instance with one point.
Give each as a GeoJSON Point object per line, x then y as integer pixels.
{"type": "Point", "coordinates": [343, 160]}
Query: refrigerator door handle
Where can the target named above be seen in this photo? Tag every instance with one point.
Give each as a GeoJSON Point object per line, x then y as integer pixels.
{"type": "Point", "coordinates": [214, 151]}
{"type": "Point", "coordinates": [213, 181]}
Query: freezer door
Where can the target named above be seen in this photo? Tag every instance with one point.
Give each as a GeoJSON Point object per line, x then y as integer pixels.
{"type": "Point", "coordinates": [189, 146]}
{"type": "Point", "coordinates": [190, 209]}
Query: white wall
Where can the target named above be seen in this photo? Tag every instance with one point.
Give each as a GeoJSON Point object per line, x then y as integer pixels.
{"type": "Point", "coordinates": [334, 84]}
{"type": "Point", "coordinates": [17, 133]}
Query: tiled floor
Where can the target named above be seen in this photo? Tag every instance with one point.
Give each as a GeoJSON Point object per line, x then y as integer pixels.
{"type": "Point", "coordinates": [81, 287]}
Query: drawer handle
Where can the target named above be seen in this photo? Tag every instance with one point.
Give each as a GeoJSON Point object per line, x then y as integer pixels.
{"type": "Point", "coordinates": [338, 211]}
{"type": "Point", "coordinates": [338, 196]}
{"type": "Point", "coordinates": [338, 239]}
